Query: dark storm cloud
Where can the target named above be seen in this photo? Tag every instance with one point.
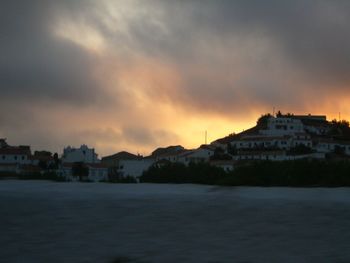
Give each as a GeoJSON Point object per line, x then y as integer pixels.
{"type": "Point", "coordinates": [312, 34]}
{"type": "Point", "coordinates": [220, 56]}
{"type": "Point", "coordinates": [34, 64]}
{"type": "Point", "coordinates": [307, 49]}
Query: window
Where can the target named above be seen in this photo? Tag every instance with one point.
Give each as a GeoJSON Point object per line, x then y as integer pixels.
{"type": "Point", "coordinates": [3, 157]}
{"type": "Point", "coordinates": [22, 157]}
{"type": "Point", "coordinates": [15, 157]}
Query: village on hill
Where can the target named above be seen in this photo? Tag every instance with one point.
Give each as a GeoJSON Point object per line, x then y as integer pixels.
{"type": "Point", "coordinates": [280, 137]}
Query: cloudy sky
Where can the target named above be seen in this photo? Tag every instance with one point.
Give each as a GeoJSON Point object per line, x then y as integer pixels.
{"type": "Point", "coordinates": [137, 74]}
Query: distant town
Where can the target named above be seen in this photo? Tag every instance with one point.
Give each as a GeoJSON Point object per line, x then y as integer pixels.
{"type": "Point", "coordinates": [278, 137]}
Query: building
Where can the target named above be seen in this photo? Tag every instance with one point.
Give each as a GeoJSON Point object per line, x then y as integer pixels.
{"type": "Point", "coordinates": [12, 158]}
{"type": "Point", "coordinates": [134, 168]}
{"type": "Point", "coordinates": [83, 154]}
{"type": "Point", "coordinates": [280, 126]}
{"type": "Point", "coordinates": [202, 154]}
{"type": "Point", "coordinates": [325, 145]}
{"type": "Point", "coordinates": [96, 172]}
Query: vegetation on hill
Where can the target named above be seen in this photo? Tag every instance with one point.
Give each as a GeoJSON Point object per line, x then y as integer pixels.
{"type": "Point", "coordinates": [340, 130]}
{"type": "Point", "coordinates": [300, 173]}
{"type": "Point", "coordinates": [202, 173]}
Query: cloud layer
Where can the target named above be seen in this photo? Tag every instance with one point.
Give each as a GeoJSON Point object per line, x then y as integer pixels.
{"type": "Point", "coordinates": [134, 75]}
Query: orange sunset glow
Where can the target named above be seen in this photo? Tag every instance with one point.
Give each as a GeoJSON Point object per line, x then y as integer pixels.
{"type": "Point", "coordinates": [135, 75]}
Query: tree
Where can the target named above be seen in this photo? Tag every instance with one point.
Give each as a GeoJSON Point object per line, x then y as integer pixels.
{"type": "Point", "coordinates": [262, 121]}
{"type": "Point", "coordinates": [56, 160]}
{"type": "Point", "coordinates": [80, 170]}
{"type": "Point", "coordinates": [231, 149]}
{"type": "Point", "coordinates": [339, 150]}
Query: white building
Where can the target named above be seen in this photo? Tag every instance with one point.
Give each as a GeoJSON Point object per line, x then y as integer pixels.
{"type": "Point", "coordinates": [277, 155]}
{"type": "Point", "coordinates": [202, 154]}
{"type": "Point", "coordinates": [134, 168]}
{"type": "Point", "coordinates": [279, 126]}
{"type": "Point", "coordinates": [302, 139]}
{"type": "Point", "coordinates": [83, 154]}
{"type": "Point", "coordinates": [13, 157]}
{"type": "Point", "coordinates": [259, 142]}
{"type": "Point", "coordinates": [96, 172]}
{"type": "Point", "coordinates": [328, 146]}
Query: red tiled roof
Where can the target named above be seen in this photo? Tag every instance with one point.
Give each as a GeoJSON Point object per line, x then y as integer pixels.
{"type": "Point", "coordinates": [14, 151]}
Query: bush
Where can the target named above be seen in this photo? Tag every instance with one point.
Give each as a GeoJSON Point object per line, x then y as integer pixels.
{"type": "Point", "coordinates": [291, 173]}
{"type": "Point", "coordinates": [299, 173]}
{"type": "Point", "coordinates": [201, 173]}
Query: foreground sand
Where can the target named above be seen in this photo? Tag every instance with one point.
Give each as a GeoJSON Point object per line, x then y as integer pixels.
{"type": "Point", "coordinates": [86, 222]}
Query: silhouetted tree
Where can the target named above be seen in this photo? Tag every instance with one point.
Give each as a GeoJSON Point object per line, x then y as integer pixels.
{"type": "Point", "coordinates": [339, 150]}
{"type": "Point", "coordinates": [262, 121]}
{"type": "Point", "coordinates": [80, 170]}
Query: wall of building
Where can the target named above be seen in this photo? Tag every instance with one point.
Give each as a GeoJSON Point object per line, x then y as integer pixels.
{"type": "Point", "coordinates": [134, 168]}
{"type": "Point", "coordinates": [82, 154]}
{"type": "Point", "coordinates": [282, 126]}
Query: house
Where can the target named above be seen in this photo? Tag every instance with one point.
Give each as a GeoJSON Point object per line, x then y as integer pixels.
{"type": "Point", "coordinates": [167, 150]}
{"type": "Point", "coordinates": [83, 154]}
{"type": "Point", "coordinates": [301, 138]}
{"type": "Point", "coordinates": [86, 159]}
{"type": "Point", "coordinates": [327, 145]}
{"type": "Point", "coordinates": [124, 164]}
{"type": "Point", "coordinates": [134, 168]}
{"type": "Point", "coordinates": [263, 142]}
{"type": "Point", "coordinates": [113, 160]}
{"type": "Point", "coordinates": [279, 126]}
{"type": "Point", "coordinates": [13, 157]}
{"type": "Point", "coordinates": [220, 145]}
{"type": "Point", "coordinates": [96, 172]}
{"type": "Point", "coordinates": [202, 154]}
{"type": "Point", "coordinates": [273, 155]}
{"type": "Point", "coordinates": [42, 158]}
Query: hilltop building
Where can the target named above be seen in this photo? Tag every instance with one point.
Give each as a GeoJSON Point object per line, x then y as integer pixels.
{"type": "Point", "coordinates": [288, 137]}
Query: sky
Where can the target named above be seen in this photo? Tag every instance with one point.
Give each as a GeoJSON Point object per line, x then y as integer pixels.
{"type": "Point", "coordinates": [138, 74]}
